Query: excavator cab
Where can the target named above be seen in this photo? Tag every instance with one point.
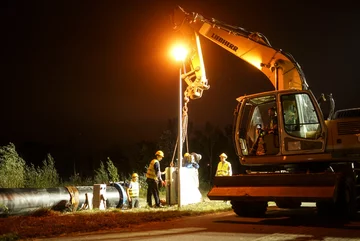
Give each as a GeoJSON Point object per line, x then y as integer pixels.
{"type": "Point", "coordinates": [273, 125]}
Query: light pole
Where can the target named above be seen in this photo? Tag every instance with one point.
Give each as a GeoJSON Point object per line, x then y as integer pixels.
{"type": "Point", "coordinates": [180, 54]}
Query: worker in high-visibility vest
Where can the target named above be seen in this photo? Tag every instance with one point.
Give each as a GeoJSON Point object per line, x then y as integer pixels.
{"type": "Point", "coordinates": [133, 191]}
{"type": "Point", "coordinates": [153, 178]}
{"type": "Point", "coordinates": [224, 167]}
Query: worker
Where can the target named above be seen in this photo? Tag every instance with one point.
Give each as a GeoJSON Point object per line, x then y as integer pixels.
{"type": "Point", "coordinates": [273, 123]}
{"type": "Point", "coordinates": [260, 146]}
{"type": "Point", "coordinates": [189, 161]}
{"type": "Point", "coordinates": [133, 191]}
{"type": "Point", "coordinates": [290, 119]}
{"type": "Point", "coordinates": [224, 167]}
{"type": "Point", "coordinates": [153, 178]}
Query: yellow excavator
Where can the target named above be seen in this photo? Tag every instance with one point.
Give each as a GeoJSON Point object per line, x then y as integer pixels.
{"type": "Point", "coordinates": [292, 154]}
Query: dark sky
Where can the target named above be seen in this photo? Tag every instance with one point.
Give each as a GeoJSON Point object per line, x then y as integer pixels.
{"type": "Point", "coordinates": [100, 71]}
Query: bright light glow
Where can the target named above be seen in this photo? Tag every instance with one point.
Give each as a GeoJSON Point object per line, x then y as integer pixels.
{"type": "Point", "coordinates": [255, 61]}
{"type": "Point", "coordinates": [179, 52]}
{"type": "Point", "coordinates": [189, 186]}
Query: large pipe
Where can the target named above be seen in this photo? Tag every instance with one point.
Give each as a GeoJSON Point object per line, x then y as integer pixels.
{"type": "Point", "coordinates": [24, 200]}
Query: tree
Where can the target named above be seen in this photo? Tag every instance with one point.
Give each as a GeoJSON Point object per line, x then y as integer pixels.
{"type": "Point", "coordinates": [12, 168]}
{"type": "Point", "coordinates": [106, 174]}
{"type": "Point", "coordinates": [101, 175]}
{"type": "Point", "coordinates": [112, 171]}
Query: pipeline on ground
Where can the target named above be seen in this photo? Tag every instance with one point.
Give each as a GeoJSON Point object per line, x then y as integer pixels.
{"type": "Point", "coordinates": [69, 198]}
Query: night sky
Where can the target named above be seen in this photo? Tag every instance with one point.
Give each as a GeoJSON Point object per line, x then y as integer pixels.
{"type": "Point", "coordinates": [99, 72]}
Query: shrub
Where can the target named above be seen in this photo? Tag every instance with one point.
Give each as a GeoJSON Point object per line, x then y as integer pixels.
{"type": "Point", "coordinates": [33, 177]}
{"type": "Point", "coordinates": [75, 180]}
{"type": "Point", "coordinates": [105, 175]}
{"type": "Point", "coordinates": [101, 175]}
{"type": "Point", "coordinates": [112, 170]}
{"type": "Point", "coordinates": [42, 177]}
{"type": "Point", "coordinates": [12, 168]}
{"type": "Point", "coordinates": [48, 172]}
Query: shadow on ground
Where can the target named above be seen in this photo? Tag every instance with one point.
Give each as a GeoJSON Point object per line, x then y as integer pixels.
{"type": "Point", "coordinates": [303, 216]}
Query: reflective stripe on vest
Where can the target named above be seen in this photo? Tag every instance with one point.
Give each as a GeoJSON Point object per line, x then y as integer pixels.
{"type": "Point", "coordinates": [223, 169]}
{"type": "Point", "coordinates": [134, 190]}
{"type": "Point", "coordinates": [151, 170]}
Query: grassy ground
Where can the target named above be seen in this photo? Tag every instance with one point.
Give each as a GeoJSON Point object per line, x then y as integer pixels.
{"type": "Point", "coordinates": [48, 223]}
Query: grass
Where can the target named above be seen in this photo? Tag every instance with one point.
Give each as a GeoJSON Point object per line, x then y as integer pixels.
{"type": "Point", "coordinates": [48, 223]}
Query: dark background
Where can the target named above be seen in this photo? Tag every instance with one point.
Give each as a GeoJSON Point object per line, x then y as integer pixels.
{"type": "Point", "coordinates": [93, 76]}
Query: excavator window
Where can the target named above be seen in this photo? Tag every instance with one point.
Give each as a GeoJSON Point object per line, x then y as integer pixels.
{"type": "Point", "coordinates": [258, 130]}
{"type": "Point", "coordinates": [260, 121]}
{"type": "Point", "coordinates": [299, 116]}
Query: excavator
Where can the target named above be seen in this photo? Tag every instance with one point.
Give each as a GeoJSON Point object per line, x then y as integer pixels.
{"type": "Point", "coordinates": [292, 155]}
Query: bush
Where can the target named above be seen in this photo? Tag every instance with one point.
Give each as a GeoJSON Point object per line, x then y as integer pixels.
{"type": "Point", "coordinates": [106, 175]}
{"type": "Point", "coordinates": [33, 177]}
{"type": "Point", "coordinates": [48, 172]}
{"type": "Point", "coordinates": [204, 185]}
{"type": "Point", "coordinates": [12, 168]}
{"type": "Point", "coordinates": [75, 180]}
{"type": "Point", "coordinates": [101, 175]}
{"type": "Point", "coordinates": [112, 170]}
{"type": "Point", "coordinates": [42, 177]}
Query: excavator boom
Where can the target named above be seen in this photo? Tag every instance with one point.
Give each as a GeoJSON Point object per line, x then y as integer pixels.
{"type": "Point", "coordinates": [279, 67]}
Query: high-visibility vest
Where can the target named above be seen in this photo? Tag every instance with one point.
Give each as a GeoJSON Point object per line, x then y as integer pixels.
{"type": "Point", "coordinates": [151, 170]}
{"type": "Point", "coordinates": [223, 169]}
{"type": "Point", "coordinates": [134, 190]}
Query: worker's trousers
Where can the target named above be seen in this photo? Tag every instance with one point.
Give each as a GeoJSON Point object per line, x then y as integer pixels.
{"type": "Point", "coordinates": [134, 202]}
{"type": "Point", "coordinates": [152, 190]}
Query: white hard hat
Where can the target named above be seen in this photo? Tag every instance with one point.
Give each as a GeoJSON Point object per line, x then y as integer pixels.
{"type": "Point", "coordinates": [223, 155]}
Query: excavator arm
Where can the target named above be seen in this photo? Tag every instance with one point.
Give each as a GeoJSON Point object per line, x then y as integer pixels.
{"type": "Point", "coordinates": [279, 67]}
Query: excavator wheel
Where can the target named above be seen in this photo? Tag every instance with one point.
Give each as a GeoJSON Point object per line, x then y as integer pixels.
{"type": "Point", "coordinates": [249, 209]}
{"type": "Point", "coordinates": [345, 204]}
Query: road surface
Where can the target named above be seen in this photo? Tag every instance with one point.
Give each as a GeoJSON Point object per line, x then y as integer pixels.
{"type": "Point", "coordinates": [279, 225]}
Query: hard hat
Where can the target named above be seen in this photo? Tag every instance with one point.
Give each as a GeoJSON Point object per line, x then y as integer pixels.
{"type": "Point", "coordinates": [188, 157]}
{"type": "Point", "coordinates": [159, 153]}
{"type": "Point", "coordinates": [196, 156]}
{"type": "Point", "coordinates": [135, 175]}
{"type": "Point", "coordinates": [223, 155]}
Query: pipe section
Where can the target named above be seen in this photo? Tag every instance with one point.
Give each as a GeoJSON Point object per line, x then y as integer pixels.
{"type": "Point", "coordinates": [24, 200]}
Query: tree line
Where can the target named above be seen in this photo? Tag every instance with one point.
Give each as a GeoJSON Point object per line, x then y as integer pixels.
{"type": "Point", "coordinates": [16, 173]}
{"type": "Point", "coordinates": [209, 141]}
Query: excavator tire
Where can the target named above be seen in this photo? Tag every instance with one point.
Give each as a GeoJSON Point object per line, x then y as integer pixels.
{"type": "Point", "coordinates": [249, 209]}
{"type": "Point", "coordinates": [345, 205]}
